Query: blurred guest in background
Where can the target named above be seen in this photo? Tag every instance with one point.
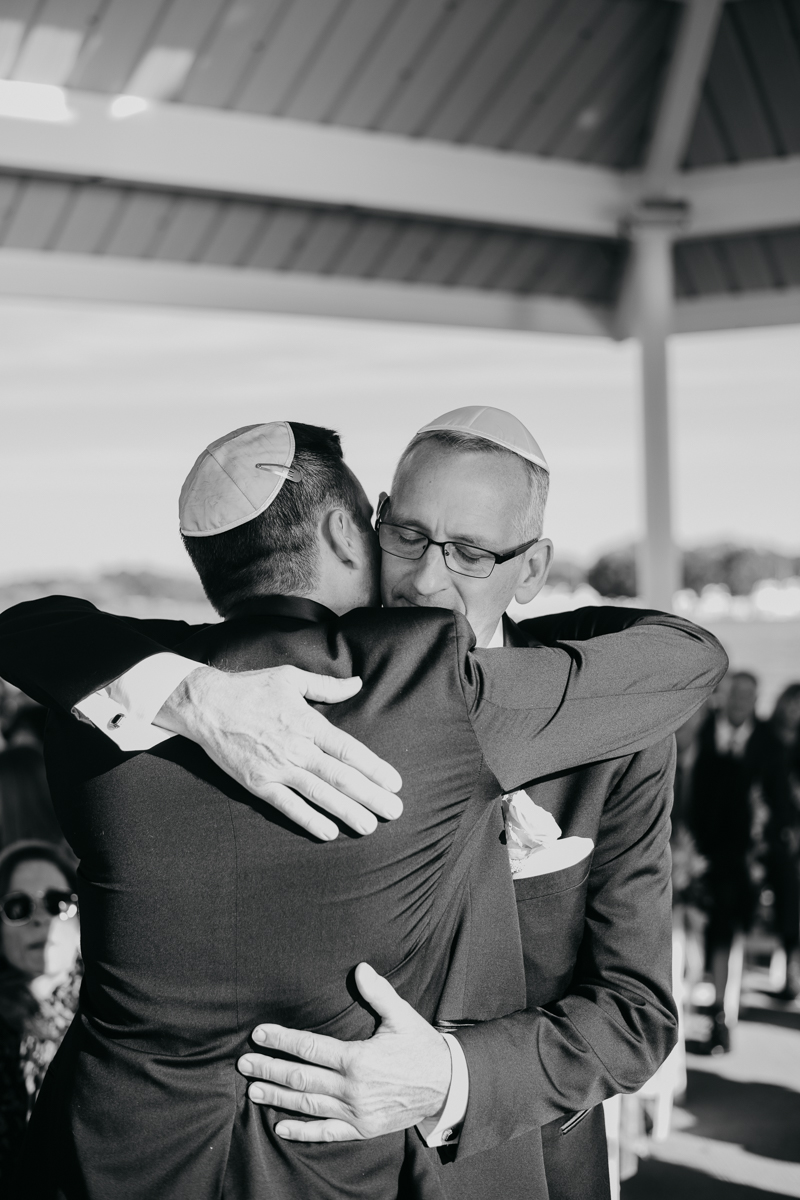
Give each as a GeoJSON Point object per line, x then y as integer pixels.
{"type": "Point", "coordinates": [26, 810]}
{"type": "Point", "coordinates": [40, 971]}
{"type": "Point", "coordinates": [778, 781]}
{"type": "Point", "coordinates": [722, 824]}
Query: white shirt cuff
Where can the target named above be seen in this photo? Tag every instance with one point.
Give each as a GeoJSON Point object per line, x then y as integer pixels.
{"type": "Point", "coordinates": [126, 708]}
{"type": "Point", "coordinates": [444, 1129]}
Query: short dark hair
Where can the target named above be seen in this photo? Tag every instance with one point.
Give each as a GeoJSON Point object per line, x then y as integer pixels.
{"type": "Point", "coordinates": [276, 552]}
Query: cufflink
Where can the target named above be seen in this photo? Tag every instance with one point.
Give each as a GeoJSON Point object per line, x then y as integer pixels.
{"type": "Point", "coordinates": [447, 1135]}
{"type": "Point", "coordinates": [114, 723]}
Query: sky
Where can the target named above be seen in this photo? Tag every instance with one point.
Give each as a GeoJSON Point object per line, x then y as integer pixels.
{"type": "Point", "coordinates": [103, 410]}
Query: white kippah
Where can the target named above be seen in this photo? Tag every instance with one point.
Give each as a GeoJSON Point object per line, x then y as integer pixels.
{"type": "Point", "coordinates": [493, 425]}
{"type": "Point", "coordinates": [236, 478]}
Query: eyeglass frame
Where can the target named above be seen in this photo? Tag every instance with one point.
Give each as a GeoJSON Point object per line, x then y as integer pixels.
{"type": "Point", "coordinates": [37, 902]}
{"type": "Point", "coordinates": [429, 541]}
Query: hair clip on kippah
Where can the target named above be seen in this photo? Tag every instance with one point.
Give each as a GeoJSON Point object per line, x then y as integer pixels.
{"type": "Point", "coordinates": [285, 472]}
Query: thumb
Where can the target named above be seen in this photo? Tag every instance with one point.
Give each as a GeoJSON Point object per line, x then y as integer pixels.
{"type": "Point", "coordinates": [326, 689]}
{"type": "Point", "coordinates": [380, 995]}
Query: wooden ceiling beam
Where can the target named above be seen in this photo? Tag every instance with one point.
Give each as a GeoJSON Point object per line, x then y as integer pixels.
{"type": "Point", "coordinates": [238, 154]}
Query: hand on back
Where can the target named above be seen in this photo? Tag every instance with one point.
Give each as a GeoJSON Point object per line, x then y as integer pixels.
{"type": "Point", "coordinates": [259, 727]}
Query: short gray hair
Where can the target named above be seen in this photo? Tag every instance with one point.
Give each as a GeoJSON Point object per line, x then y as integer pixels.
{"type": "Point", "coordinates": [529, 521]}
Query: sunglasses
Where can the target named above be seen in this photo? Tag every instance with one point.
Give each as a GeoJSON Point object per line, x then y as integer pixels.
{"type": "Point", "coordinates": [17, 908]}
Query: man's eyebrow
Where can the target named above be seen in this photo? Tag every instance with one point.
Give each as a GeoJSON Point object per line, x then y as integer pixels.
{"type": "Point", "coordinates": [411, 523]}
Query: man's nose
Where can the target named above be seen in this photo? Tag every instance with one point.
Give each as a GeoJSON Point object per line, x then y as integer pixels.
{"type": "Point", "coordinates": [431, 575]}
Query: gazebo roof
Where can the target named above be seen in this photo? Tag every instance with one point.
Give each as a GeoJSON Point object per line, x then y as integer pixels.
{"type": "Point", "coordinates": [467, 161]}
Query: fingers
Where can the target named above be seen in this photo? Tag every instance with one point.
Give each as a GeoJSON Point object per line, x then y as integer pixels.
{"type": "Point", "coordinates": [352, 783]}
{"type": "Point", "coordinates": [328, 798]}
{"type": "Point", "coordinates": [301, 1102]}
{"type": "Point", "coordinates": [380, 994]}
{"type": "Point", "coordinates": [298, 1077]}
{"type": "Point", "coordinates": [296, 809]}
{"type": "Point", "coordinates": [311, 1047]}
{"type": "Point", "coordinates": [318, 1131]}
{"type": "Point", "coordinates": [347, 749]}
{"type": "Point", "coordinates": [326, 689]}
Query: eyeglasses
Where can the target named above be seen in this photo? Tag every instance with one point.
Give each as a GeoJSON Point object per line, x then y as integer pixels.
{"type": "Point", "coordinates": [459, 557]}
{"type": "Point", "coordinates": [17, 908]}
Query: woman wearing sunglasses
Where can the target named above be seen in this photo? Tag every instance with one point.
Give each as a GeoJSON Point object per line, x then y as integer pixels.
{"type": "Point", "coordinates": [39, 977]}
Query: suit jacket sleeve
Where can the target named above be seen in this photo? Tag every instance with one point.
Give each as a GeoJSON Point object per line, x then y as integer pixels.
{"type": "Point", "coordinates": [617, 1022]}
{"type": "Point", "coordinates": [540, 709]}
{"type": "Point", "coordinates": [60, 649]}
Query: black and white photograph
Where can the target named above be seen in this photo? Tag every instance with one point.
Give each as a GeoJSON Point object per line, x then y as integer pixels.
{"type": "Point", "coordinates": [399, 599]}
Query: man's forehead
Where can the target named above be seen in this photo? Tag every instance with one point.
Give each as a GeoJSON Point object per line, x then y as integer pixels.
{"type": "Point", "coordinates": [476, 495]}
{"type": "Point", "coordinates": [431, 469]}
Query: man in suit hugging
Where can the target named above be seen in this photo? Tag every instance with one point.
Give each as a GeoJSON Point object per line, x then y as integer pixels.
{"type": "Point", "coordinates": [460, 532]}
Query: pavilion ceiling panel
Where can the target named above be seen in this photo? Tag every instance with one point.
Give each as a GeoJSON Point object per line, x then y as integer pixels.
{"type": "Point", "coordinates": [750, 105]}
{"type": "Point", "coordinates": [85, 226]}
{"type": "Point", "coordinates": [36, 214]}
{"type": "Point", "coordinates": [487, 260]}
{"type": "Point", "coordinates": [10, 190]}
{"type": "Point", "coordinates": [446, 58]}
{"type": "Point", "coordinates": [284, 232]}
{"type": "Point", "coordinates": [115, 44]}
{"type": "Point", "coordinates": [53, 42]}
{"type": "Point", "coordinates": [174, 43]}
{"type": "Point", "coordinates": [504, 50]}
{"type": "Point", "coordinates": [786, 256]}
{"type": "Point", "coordinates": [289, 54]}
{"type": "Point", "coordinates": [406, 253]}
{"type": "Point", "coordinates": [538, 73]}
{"type": "Point", "coordinates": [317, 92]}
{"type": "Point", "coordinates": [367, 94]}
{"type": "Point", "coordinates": [520, 267]}
{"type": "Point", "coordinates": [749, 263]}
{"type": "Point", "coordinates": [235, 232]}
{"type": "Point", "coordinates": [444, 264]}
{"type": "Point", "coordinates": [574, 106]}
{"type": "Point", "coordinates": [328, 235]}
{"type": "Point", "coordinates": [367, 246]}
{"type": "Point", "coordinates": [223, 66]}
{"type": "Point", "coordinates": [138, 224]}
{"type": "Point", "coordinates": [14, 21]}
{"type": "Point", "coordinates": [188, 229]}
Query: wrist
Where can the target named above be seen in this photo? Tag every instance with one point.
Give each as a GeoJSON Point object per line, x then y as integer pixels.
{"type": "Point", "coordinates": [183, 709]}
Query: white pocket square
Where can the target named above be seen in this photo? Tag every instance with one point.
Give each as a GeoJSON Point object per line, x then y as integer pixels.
{"type": "Point", "coordinates": [544, 860]}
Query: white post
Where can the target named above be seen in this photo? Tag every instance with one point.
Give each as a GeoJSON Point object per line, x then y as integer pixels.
{"type": "Point", "coordinates": [658, 563]}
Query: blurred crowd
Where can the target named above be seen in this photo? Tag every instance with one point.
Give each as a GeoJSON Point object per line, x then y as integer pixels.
{"type": "Point", "coordinates": [736, 849]}
{"type": "Point", "coordinates": [40, 964]}
{"type": "Point", "coordinates": [736, 882]}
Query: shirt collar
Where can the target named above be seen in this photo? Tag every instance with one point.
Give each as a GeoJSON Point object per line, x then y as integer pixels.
{"type": "Point", "coordinates": [298, 607]}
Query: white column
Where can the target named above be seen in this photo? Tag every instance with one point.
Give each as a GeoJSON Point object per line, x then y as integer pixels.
{"type": "Point", "coordinates": [658, 561]}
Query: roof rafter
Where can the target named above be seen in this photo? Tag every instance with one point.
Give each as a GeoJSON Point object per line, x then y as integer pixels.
{"type": "Point", "coordinates": [134, 281]}
{"type": "Point", "coordinates": [207, 150]}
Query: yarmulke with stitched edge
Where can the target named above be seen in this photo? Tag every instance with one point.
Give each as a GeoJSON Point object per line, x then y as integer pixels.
{"type": "Point", "coordinates": [493, 425]}
{"type": "Point", "coordinates": [236, 478]}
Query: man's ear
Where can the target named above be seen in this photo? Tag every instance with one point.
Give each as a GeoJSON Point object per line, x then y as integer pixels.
{"type": "Point", "coordinates": [534, 571]}
{"type": "Point", "coordinates": [343, 537]}
{"type": "Point", "coordinates": [382, 503]}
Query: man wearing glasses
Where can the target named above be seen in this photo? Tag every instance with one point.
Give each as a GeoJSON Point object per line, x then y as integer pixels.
{"type": "Point", "coordinates": [462, 532]}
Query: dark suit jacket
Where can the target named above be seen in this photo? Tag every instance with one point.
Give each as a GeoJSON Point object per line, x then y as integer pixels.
{"type": "Point", "coordinates": [596, 939]}
{"type": "Point", "coordinates": [186, 948]}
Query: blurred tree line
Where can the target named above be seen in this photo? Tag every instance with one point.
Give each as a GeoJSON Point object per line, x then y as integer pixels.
{"type": "Point", "coordinates": [739, 568]}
